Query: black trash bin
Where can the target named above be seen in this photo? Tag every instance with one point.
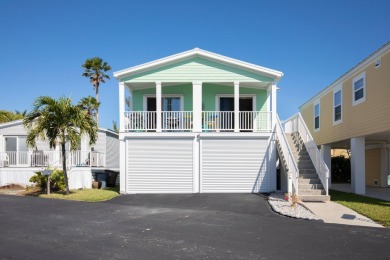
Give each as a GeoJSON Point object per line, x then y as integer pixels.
{"type": "Point", "coordinates": [111, 178]}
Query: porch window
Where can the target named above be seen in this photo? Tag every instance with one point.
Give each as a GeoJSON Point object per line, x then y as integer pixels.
{"type": "Point", "coordinates": [17, 150]}
{"type": "Point", "coordinates": [317, 116]}
{"type": "Point", "coordinates": [337, 106]}
{"type": "Point", "coordinates": [359, 89]}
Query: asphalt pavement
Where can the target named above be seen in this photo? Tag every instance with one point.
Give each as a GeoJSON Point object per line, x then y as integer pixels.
{"type": "Point", "coordinates": [193, 226]}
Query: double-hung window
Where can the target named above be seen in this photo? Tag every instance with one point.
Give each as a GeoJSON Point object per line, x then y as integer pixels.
{"type": "Point", "coordinates": [359, 89]}
{"type": "Point", "coordinates": [317, 116]}
{"type": "Point", "coordinates": [337, 106]}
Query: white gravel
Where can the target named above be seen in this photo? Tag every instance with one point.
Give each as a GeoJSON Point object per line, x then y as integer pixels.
{"type": "Point", "coordinates": [278, 204]}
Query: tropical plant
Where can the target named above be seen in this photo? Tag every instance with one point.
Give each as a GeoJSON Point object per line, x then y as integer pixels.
{"type": "Point", "coordinates": [89, 104]}
{"type": "Point", "coordinates": [115, 127]}
{"type": "Point", "coordinates": [57, 180]}
{"type": "Point", "coordinates": [7, 116]}
{"type": "Point", "coordinates": [95, 69]}
{"type": "Point", "coordinates": [59, 121]}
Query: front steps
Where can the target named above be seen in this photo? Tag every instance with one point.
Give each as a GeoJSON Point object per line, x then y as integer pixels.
{"type": "Point", "coordinates": [309, 185]}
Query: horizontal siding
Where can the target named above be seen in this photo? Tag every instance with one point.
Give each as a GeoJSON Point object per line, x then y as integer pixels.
{"type": "Point", "coordinates": [237, 165]}
{"type": "Point", "coordinates": [160, 166]}
{"type": "Point", "coordinates": [112, 155]}
{"type": "Point", "coordinates": [369, 117]}
{"type": "Point", "coordinates": [197, 69]}
{"type": "Point", "coordinates": [13, 130]}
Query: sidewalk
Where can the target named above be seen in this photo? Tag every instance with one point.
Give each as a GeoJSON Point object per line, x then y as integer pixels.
{"type": "Point", "coordinates": [373, 192]}
{"type": "Point", "coordinates": [331, 212]}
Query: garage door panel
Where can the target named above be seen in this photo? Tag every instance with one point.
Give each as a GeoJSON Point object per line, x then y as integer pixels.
{"type": "Point", "coordinates": [234, 165]}
{"type": "Point", "coordinates": [160, 166]}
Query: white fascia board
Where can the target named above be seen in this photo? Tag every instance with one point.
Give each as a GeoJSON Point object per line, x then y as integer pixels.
{"type": "Point", "coordinates": [11, 123]}
{"type": "Point", "coordinates": [202, 53]}
{"type": "Point", "coordinates": [361, 65]}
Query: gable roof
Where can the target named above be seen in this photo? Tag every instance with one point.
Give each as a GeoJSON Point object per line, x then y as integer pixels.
{"type": "Point", "coordinates": [364, 63]}
{"type": "Point", "coordinates": [203, 54]}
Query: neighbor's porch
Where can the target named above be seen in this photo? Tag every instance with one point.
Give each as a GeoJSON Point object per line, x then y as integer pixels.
{"type": "Point", "coordinates": [52, 159]}
{"type": "Point", "coordinates": [197, 107]}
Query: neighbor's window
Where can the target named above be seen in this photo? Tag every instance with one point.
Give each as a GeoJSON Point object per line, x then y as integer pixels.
{"type": "Point", "coordinates": [359, 89]}
{"type": "Point", "coordinates": [317, 116]}
{"type": "Point", "coordinates": [337, 96]}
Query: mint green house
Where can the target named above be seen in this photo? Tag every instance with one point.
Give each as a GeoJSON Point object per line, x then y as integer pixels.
{"type": "Point", "coordinates": [199, 122]}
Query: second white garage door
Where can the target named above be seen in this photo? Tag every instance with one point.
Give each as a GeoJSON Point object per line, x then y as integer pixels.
{"type": "Point", "coordinates": [233, 165]}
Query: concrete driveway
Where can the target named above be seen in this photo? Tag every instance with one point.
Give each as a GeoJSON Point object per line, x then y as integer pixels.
{"type": "Point", "coordinates": [214, 226]}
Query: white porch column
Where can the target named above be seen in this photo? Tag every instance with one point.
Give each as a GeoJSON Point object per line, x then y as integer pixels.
{"type": "Point", "coordinates": [197, 106]}
{"type": "Point", "coordinates": [122, 166]}
{"type": "Point", "coordinates": [271, 104]}
{"type": "Point", "coordinates": [326, 155]}
{"type": "Point", "coordinates": [236, 106]}
{"type": "Point", "coordinates": [384, 166]}
{"type": "Point", "coordinates": [121, 107]}
{"type": "Point", "coordinates": [358, 165]}
{"type": "Point", "coordinates": [158, 107]}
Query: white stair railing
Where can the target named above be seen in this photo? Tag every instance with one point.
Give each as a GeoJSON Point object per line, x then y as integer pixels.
{"type": "Point", "coordinates": [287, 158]}
{"type": "Point", "coordinates": [296, 124]}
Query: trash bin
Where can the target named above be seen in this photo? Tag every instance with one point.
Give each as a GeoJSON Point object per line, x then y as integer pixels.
{"type": "Point", "coordinates": [111, 178]}
{"type": "Point", "coordinates": [101, 178]}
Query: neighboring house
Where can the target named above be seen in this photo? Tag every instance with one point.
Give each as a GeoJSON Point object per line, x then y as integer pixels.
{"type": "Point", "coordinates": [201, 122]}
{"type": "Point", "coordinates": [18, 162]}
{"type": "Point", "coordinates": [354, 113]}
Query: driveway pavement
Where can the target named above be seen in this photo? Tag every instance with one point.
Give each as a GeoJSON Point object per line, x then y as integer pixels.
{"type": "Point", "coordinates": [201, 226]}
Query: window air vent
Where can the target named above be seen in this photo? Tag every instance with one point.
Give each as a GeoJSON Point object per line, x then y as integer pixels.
{"type": "Point", "coordinates": [376, 183]}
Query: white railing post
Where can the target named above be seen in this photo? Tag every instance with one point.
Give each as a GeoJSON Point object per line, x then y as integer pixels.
{"type": "Point", "coordinates": [197, 106]}
{"type": "Point", "coordinates": [158, 106]}
{"type": "Point", "coordinates": [236, 106]}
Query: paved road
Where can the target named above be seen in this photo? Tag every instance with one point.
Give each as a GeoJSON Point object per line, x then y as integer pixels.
{"type": "Point", "coordinates": [202, 226]}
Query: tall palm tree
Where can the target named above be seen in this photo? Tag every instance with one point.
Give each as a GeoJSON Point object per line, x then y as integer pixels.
{"type": "Point", "coordinates": [95, 69]}
{"type": "Point", "coordinates": [7, 116]}
{"type": "Point", "coordinates": [59, 121]}
{"type": "Point", "coordinates": [89, 104]}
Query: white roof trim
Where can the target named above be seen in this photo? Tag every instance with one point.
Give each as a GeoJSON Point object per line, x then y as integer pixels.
{"type": "Point", "coordinates": [364, 63]}
{"type": "Point", "coordinates": [202, 53]}
{"type": "Point", "coordinates": [11, 123]}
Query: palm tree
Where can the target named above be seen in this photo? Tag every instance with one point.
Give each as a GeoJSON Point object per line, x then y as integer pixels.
{"type": "Point", "coordinates": [7, 116]}
{"type": "Point", "coordinates": [95, 69]}
{"type": "Point", "coordinates": [59, 121]}
{"type": "Point", "coordinates": [89, 104]}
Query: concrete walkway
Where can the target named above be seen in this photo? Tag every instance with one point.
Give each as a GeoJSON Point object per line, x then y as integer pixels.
{"type": "Point", "coordinates": [372, 192]}
{"type": "Point", "coordinates": [331, 212]}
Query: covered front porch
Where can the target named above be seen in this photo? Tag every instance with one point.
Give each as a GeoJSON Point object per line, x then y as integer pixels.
{"type": "Point", "coordinates": [197, 106]}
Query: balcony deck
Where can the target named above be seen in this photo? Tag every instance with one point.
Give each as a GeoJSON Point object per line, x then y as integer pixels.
{"type": "Point", "coordinates": [212, 121]}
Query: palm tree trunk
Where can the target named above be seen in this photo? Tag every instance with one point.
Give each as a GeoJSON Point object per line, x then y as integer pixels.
{"type": "Point", "coordinates": [97, 109]}
{"type": "Point", "coordinates": [64, 167]}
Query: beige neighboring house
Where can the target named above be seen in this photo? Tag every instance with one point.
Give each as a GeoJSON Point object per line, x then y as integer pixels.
{"type": "Point", "coordinates": [354, 113]}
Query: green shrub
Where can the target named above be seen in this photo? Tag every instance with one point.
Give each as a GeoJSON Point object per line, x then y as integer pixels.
{"type": "Point", "coordinates": [57, 180]}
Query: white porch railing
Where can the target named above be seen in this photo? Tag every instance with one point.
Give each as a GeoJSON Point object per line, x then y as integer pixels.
{"type": "Point", "coordinates": [214, 121]}
{"type": "Point", "coordinates": [287, 158]}
{"type": "Point", "coordinates": [52, 159]}
{"type": "Point", "coordinates": [295, 124]}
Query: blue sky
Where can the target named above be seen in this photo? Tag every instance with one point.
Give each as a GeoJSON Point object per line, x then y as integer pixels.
{"type": "Point", "coordinates": [44, 43]}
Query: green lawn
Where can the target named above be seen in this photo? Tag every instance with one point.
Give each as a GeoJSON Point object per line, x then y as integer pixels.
{"type": "Point", "coordinates": [89, 195]}
{"type": "Point", "coordinates": [375, 209]}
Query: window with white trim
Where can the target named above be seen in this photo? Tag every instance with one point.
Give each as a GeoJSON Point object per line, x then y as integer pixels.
{"type": "Point", "coordinates": [337, 106]}
{"type": "Point", "coordinates": [317, 116]}
{"type": "Point", "coordinates": [359, 89]}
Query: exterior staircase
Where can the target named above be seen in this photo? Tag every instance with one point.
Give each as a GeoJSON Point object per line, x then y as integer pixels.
{"type": "Point", "coordinates": [309, 185]}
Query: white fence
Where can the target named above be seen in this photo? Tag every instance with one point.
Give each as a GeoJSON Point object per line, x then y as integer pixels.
{"type": "Point", "coordinates": [295, 124]}
{"type": "Point", "coordinates": [78, 177]}
{"type": "Point", "coordinates": [52, 159]}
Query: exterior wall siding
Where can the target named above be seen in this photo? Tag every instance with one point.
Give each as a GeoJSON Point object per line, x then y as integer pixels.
{"type": "Point", "coordinates": [209, 92]}
{"type": "Point", "coordinates": [373, 166]}
{"type": "Point", "coordinates": [371, 116]}
{"type": "Point", "coordinates": [197, 69]}
{"type": "Point", "coordinates": [13, 130]}
{"type": "Point", "coordinates": [112, 151]}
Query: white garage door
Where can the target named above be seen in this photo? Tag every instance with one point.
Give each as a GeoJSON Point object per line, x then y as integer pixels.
{"type": "Point", "coordinates": [233, 165]}
{"type": "Point", "coordinates": [160, 166]}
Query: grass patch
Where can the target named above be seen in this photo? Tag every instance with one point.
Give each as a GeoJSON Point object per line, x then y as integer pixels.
{"type": "Point", "coordinates": [375, 209]}
{"type": "Point", "coordinates": [89, 195]}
